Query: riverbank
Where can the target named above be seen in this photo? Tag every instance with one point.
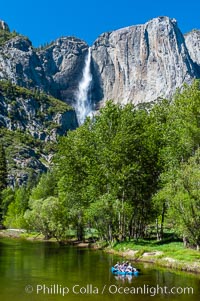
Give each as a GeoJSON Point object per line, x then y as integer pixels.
{"type": "Point", "coordinates": [170, 255]}
{"type": "Point", "coordinates": [167, 254]}
{"type": "Point", "coordinates": [34, 236]}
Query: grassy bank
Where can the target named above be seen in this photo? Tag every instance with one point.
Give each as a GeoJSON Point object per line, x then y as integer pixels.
{"type": "Point", "coordinates": [168, 254]}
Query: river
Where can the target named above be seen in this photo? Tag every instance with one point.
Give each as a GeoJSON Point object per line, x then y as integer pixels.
{"type": "Point", "coordinates": [38, 271]}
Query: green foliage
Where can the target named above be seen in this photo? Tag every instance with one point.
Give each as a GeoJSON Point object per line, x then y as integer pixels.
{"type": "Point", "coordinates": [114, 156]}
{"type": "Point", "coordinates": [171, 249]}
{"type": "Point", "coordinates": [12, 91]}
{"type": "Point", "coordinates": [182, 133]}
{"type": "Point", "coordinates": [3, 168]}
{"type": "Point", "coordinates": [6, 36]}
{"type": "Point", "coordinates": [127, 154]}
{"type": "Point", "coordinates": [182, 192]}
{"type": "Point", "coordinates": [8, 196]}
{"type": "Point", "coordinates": [20, 143]}
{"type": "Point", "coordinates": [124, 172]}
{"type": "Point", "coordinates": [14, 217]}
{"type": "Point", "coordinates": [48, 217]}
{"type": "Point", "coordinates": [46, 214]}
{"type": "Point", "coordinates": [181, 140]}
{"type": "Point", "coordinates": [3, 176]}
{"type": "Point", "coordinates": [45, 188]}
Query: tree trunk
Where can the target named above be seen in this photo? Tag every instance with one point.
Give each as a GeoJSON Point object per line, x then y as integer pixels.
{"type": "Point", "coordinates": [162, 221]}
{"type": "Point", "coordinates": [185, 242]}
{"type": "Point", "coordinates": [157, 230]}
{"type": "Point", "coordinates": [80, 232]}
{"type": "Point", "coordinates": [110, 233]}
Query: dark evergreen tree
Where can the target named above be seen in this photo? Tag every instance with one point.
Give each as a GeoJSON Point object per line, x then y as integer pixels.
{"type": "Point", "coordinates": [3, 168]}
{"type": "Point", "coordinates": [3, 174]}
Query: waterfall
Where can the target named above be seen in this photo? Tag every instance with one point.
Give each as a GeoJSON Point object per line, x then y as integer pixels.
{"type": "Point", "coordinates": [83, 105]}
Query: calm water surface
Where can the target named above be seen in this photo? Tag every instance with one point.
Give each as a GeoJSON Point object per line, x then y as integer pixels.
{"type": "Point", "coordinates": [44, 271]}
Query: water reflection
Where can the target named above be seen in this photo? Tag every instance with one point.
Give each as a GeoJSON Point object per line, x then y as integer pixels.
{"type": "Point", "coordinates": [25, 263]}
{"type": "Point", "coordinates": [125, 278]}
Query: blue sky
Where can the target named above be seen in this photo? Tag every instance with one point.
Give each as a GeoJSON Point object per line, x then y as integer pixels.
{"type": "Point", "coordinates": [45, 20]}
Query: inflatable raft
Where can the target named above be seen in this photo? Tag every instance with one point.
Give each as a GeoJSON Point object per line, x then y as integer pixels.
{"type": "Point", "coordinates": [118, 272]}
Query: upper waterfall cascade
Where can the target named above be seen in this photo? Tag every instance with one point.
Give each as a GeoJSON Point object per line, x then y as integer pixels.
{"type": "Point", "coordinates": [83, 105]}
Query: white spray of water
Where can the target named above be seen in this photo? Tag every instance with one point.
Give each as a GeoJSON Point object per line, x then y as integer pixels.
{"type": "Point", "coordinates": [83, 104]}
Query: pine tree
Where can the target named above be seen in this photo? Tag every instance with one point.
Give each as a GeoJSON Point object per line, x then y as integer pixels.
{"type": "Point", "coordinates": [3, 175]}
{"type": "Point", "coordinates": [3, 169]}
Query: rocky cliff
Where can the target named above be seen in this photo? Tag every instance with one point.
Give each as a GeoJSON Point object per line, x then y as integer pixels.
{"type": "Point", "coordinates": [134, 64]}
{"type": "Point", "coordinates": [55, 69]}
{"type": "Point", "coordinates": [20, 63]}
{"type": "Point", "coordinates": [192, 40]}
{"type": "Point", "coordinates": [62, 63]}
{"type": "Point", "coordinates": [41, 116]}
{"type": "Point", "coordinates": [31, 120]}
{"type": "Point", "coordinates": [30, 123]}
{"type": "Point", "coordinates": [141, 63]}
{"type": "Point", "coordinates": [4, 26]}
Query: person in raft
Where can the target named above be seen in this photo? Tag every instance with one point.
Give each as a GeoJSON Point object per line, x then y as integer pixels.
{"type": "Point", "coordinates": [124, 267]}
{"type": "Point", "coordinates": [130, 268]}
{"type": "Point", "coordinates": [117, 265]}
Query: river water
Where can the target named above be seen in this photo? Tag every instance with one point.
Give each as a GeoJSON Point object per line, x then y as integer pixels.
{"type": "Point", "coordinates": [38, 271]}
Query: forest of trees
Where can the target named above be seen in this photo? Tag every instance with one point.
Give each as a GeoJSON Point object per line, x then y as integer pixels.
{"type": "Point", "coordinates": [130, 172]}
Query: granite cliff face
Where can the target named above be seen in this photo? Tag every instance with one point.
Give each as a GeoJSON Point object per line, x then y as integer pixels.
{"type": "Point", "coordinates": [55, 69]}
{"type": "Point", "coordinates": [141, 63]}
{"type": "Point", "coordinates": [30, 120]}
{"type": "Point", "coordinates": [192, 40]}
{"type": "Point", "coordinates": [37, 114]}
{"type": "Point", "coordinates": [134, 64]}
{"type": "Point", "coordinates": [20, 64]}
{"type": "Point", "coordinates": [30, 123]}
{"type": "Point", "coordinates": [62, 63]}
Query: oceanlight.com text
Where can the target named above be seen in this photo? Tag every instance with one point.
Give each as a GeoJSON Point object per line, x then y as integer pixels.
{"type": "Point", "coordinates": [90, 289]}
{"type": "Point", "coordinates": [150, 290]}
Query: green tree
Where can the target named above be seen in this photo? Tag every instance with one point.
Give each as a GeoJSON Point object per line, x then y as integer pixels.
{"type": "Point", "coordinates": [182, 131]}
{"type": "Point", "coordinates": [47, 216]}
{"type": "Point", "coordinates": [3, 168]}
{"type": "Point", "coordinates": [14, 217]}
{"type": "Point", "coordinates": [73, 163]}
{"type": "Point", "coordinates": [3, 176]}
{"type": "Point", "coordinates": [179, 123]}
{"type": "Point", "coordinates": [110, 155]}
{"type": "Point", "coordinates": [182, 194]}
{"type": "Point", "coordinates": [8, 196]}
{"type": "Point", "coordinates": [46, 186]}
